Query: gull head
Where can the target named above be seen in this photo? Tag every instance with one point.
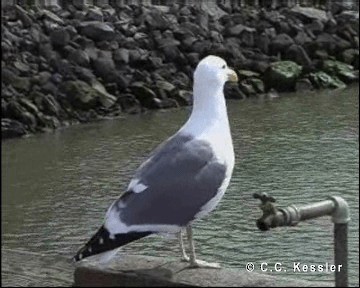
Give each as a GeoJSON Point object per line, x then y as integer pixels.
{"type": "Point", "coordinates": [213, 70]}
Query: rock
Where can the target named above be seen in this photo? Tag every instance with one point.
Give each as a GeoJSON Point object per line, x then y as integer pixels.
{"type": "Point", "coordinates": [349, 16]}
{"type": "Point", "coordinates": [193, 28]}
{"type": "Point", "coordinates": [22, 83]}
{"type": "Point", "coordinates": [22, 67]}
{"type": "Point", "coordinates": [111, 88]}
{"type": "Point", "coordinates": [282, 75]}
{"type": "Point", "coordinates": [303, 85]}
{"type": "Point", "coordinates": [272, 93]}
{"type": "Point", "coordinates": [4, 104]}
{"type": "Point", "coordinates": [145, 95]}
{"type": "Point", "coordinates": [79, 15]}
{"type": "Point", "coordinates": [56, 78]}
{"type": "Point", "coordinates": [11, 128]}
{"type": "Point", "coordinates": [263, 42]}
{"type": "Point", "coordinates": [233, 92]}
{"type": "Point", "coordinates": [29, 106]}
{"type": "Point", "coordinates": [341, 44]}
{"type": "Point", "coordinates": [259, 66]}
{"type": "Point", "coordinates": [181, 81]}
{"type": "Point", "coordinates": [297, 54]}
{"type": "Point", "coordinates": [282, 27]}
{"type": "Point", "coordinates": [327, 42]}
{"type": "Point", "coordinates": [302, 39]}
{"type": "Point", "coordinates": [165, 86]}
{"type": "Point", "coordinates": [106, 99]}
{"type": "Point", "coordinates": [8, 75]}
{"type": "Point", "coordinates": [153, 63]}
{"type": "Point", "coordinates": [48, 121]}
{"type": "Point", "coordinates": [18, 112]}
{"type": "Point", "coordinates": [80, 94]}
{"type": "Point", "coordinates": [172, 53]}
{"type": "Point", "coordinates": [85, 74]}
{"type": "Point", "coordinates": [202, 19]}
{"type": "Point", "coordinates": [280, 44]}
{"type": "Point", "coordinates": [316, 27]}
{"type": "Point", "coordinates": [322, 80]}
{"type": "Point", "coordinates": [164, 89]}
{"type": "Point", "coordinates": [244, 74]}
{"type": "Point", "coordinates": [121, 56]}
{"type": "Point", "coordinates": [356, 62]}
{"type": "Point", "coordinates": [247, 88]}
{"type": "Point", "coordinates": [248, 38]}
{"type": "Point", "coordinates": [50, 105]}
{"type": "Point", "coordinates": [94, 14]}
{"type": "Point", "coordinates": [49, 87]}
{"type": "Point", "coordinates": [343, 71]}
{"type": "Point", "coordinates": [166, 103]}
{"type": "Point", "coordinates": [123, 81]}
{"type": "Point", "coordinates": [79, 57]}
{"type": "Point", "coordinates": [232, 48]}
{"type": "Point", "coordinates": [63, 67]}
{"type": "Point", "coordinates": [182, 97]}
{"type": "Point", "coordinates": [52, 17]}
{"type": "Point", "coordinates": [109, 12]}
{"type": "Point", "coordinates": [321, 54]}
{"type": "Point", "coordinates": [167, 42]}
{"type": "Point", "coordinates": [60, 37]}
{"type": "Point", "coordinates": [237, 30]}
{"type": "Point", "coordinates": [24, 16]}
{"type": "Point", "coordinates": [98, 31]}
{"type": "Point", "coordinates": [193, 58]}
{"type": "Point", "coordinates": [349, 56]}
{"type": "Point", "coordinates": [72, 31]}
{"type": "Point", "coordinates": [36, 97]}
{"type": "Point", "coordinates": [64, 14]}
{"type": "Point", "coordinates": [35, 33]}
{"type": "Point", "coordinates": [156, 20]}
{"type": "Point", "coordinates": [129, 104]}
{"type": "Point", "coordinates": [309, 13]}
{"type": "Point", "coordinates": [104, 67]}
{"type": "Point", "coordinates": [257, 84]}
{"type": "Point", "coordinates": [92, 52]}
{"type": "Point", "coordinates": [46, 51]}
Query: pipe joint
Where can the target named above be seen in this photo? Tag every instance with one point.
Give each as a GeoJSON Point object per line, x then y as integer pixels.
{"type": "Point", "coordinates": [341, 214]}
{"type": "Point", "coordinates": [291, 215]}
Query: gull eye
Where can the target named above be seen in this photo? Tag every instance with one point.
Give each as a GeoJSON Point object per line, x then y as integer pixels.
{"type": "Point", "coordinates": [224, 66]}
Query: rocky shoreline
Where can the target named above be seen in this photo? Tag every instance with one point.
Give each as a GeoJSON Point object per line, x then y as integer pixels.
{"type": "Point", "coordinates": [80, 64]}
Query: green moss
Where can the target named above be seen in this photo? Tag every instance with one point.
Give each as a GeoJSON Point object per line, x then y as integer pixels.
{"type": "Point", "coordinates": [323, 80]}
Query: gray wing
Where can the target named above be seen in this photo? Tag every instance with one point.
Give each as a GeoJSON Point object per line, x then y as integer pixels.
{"type": "Point", "coordinates": [180, 177]}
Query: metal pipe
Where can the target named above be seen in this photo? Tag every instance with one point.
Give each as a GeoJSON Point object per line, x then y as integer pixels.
{"type": "Point", "coordinates": [341, 254]}
{"type": "Point", "coordinates": [335, 206]}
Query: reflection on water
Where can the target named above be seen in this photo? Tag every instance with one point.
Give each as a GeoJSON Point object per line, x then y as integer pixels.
{"type": "Point", "coordinates": [299, 148]}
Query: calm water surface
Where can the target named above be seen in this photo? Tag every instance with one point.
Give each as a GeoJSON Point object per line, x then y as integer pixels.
{"type": "Point", "coordinates": [57, 187]}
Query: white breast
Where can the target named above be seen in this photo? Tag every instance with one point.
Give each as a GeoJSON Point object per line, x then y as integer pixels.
{"type": "Point", "coordinates": [219, 138]}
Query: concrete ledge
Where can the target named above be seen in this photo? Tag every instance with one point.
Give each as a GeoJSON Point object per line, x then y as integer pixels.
{"type": "Point", "coordinates": [145, 271]}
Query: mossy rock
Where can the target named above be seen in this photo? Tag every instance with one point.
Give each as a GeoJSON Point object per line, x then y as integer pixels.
{"type": "Point", "coordinates": [322, 80]}
{"type": "Point", "coordinates": [343, 71]}
{"type": "Point", "coordinates": [282, 75]}
{"type": "Point", "coordinates": [106, 99]}
{"type": "Point", "coordinates": [80, 94]}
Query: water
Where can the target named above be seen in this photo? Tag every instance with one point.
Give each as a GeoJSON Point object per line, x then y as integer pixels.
{"type": "Point", "coordinates": [299, 148]}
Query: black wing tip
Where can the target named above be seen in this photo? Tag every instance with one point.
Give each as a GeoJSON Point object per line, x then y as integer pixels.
{"type": "Point", "coordinates": [102, 242]}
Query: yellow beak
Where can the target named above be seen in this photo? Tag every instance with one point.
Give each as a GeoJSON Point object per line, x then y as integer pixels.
{"type": "Point", "coordinates": [232, 76]}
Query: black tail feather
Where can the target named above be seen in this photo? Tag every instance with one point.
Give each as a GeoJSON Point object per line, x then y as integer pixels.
{"type": "Point", "coordinates": [102, 242]}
